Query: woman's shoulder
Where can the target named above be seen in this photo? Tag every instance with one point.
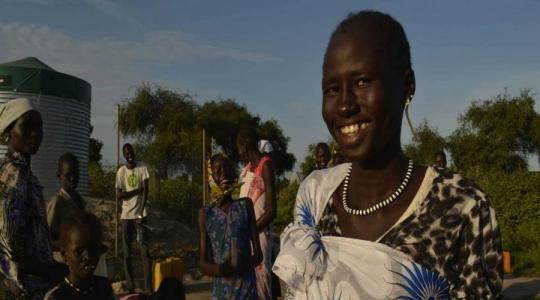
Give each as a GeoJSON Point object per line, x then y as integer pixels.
{"type": "Point", "coordinates": [454, 187]}
{"type": "Point", "coordinates": [325, 179]}
{"type": "Point", "coordinates": [10, 169]}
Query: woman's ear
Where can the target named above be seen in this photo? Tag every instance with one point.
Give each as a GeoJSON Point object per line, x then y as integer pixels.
{"type": "Point", "coordinates": [410, 84]}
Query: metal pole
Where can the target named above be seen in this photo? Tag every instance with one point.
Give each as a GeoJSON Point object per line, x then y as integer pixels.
{"type": "Point", "coordinates": [204, 166]}
{"type": "Point", "coordinates": [117, 166]}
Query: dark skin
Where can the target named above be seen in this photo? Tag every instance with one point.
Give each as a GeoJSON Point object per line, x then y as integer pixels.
{"type": "Point", "coordinates": [363, 102]}
{"type": "Point", "coordinates": [440, 161]}
{"type": "Point", "coordinates": [69, 177]}
{"type": "Point", "coordinates": [223, 176]}
{"type": "Point", "coordinates": [25, 136]}
{"type": "Point", "coordinates": [322, 157]}
{"type": "Point", "coordinates": [250, 153]}
{"type": "Point", "coordinates": [82, 251]}
{"type": "Point", "coordinates": [129, 156]}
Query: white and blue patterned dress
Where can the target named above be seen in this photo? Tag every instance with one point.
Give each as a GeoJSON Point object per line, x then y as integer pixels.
{"type": "Point", "coordinates": [448, 247]}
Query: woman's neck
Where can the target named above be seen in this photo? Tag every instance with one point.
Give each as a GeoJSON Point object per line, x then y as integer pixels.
{"type": "Point", "coordinates": [81, 283]}
{"type": "Point", "coordinates": [379, 175]}
{"type": "Point", "coordinates": [254, 158]}
{"type": "Point", "coordinates": [26, 157]}
{"type": "Point", "coordinates": [225, 200]}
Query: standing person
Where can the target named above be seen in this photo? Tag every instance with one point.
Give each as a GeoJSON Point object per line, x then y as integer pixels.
{"type": "Point", "coordinates": [26, 260]}
{"type": "Point", "coordinates": [81, 244]}
{"type": "Point", "coordinates": [381, 226]}
{"type": "Point", "coordinates": [258, 180]}
{"type": "Point", "coordinates": [322, 156]}
{"type": "Point", "coordinates": [229, 241]}
{"type": "Point", "coordinates": [440, 159]}
{"type": "Point", "coordinates": [66, 202]}
{"type": "Point", "coordinates": [132, 190]}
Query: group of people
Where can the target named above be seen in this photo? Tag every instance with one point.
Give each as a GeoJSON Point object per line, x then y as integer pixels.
{"type": "Point", "coordinates": [46, 251]}
{"type": "Point", "coordinates": [377, 225]}
{"type": "Point", "coordinates": [50, 250]}
{"type": "Point", "coordinates": [373, 225]}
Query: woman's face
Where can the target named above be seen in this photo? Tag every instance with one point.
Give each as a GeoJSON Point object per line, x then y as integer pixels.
{"type": "Point", "coordinates": [27, 133]}
{"type": "Point", "coordinates": [222, 173]}
{"type": "Point", "coordinates": [82, 252]}
{"type": "Point", "coordinates": [363, 98]}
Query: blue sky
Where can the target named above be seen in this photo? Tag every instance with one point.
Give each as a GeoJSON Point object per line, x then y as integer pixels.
{"type": "Point", "coordinates": [268, 55]}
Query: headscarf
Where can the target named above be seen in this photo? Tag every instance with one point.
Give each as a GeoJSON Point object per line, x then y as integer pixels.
{"type": "Point", "coordinates": [265, 146]}
{"type": "Point", "coordinates": [215, 191]}
{"type": "Point", "coordinates": [13, 110]}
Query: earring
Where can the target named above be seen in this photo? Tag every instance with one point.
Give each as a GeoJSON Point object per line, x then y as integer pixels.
{"type": "Point", "coordinates": [407, 104]}
{"type": "Point", "coordinates": [409, 100]}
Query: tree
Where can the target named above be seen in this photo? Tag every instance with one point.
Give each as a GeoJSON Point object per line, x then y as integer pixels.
{"type": "Point", "coordinates": [94, 151]}
{"type": "Point", "coordinates": [223, 119]}
{"type": "Point", "coordinates": [167, 128]}
{"type": "Point", "coordinates": [496, 135]}
{"type": "Point", "coordinates": [425, 143]}
{"type": "Point", "coordinates": [163, 123]}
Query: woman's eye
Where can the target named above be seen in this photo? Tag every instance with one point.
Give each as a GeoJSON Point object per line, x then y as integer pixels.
{"type": "Point", "coordinates": [361, 82]}
{"type": "Point", "coordinates": [331, 91]}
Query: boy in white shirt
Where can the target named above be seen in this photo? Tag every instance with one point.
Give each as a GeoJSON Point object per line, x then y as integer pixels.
{"type": "Point", "coordinates": [132, 190]}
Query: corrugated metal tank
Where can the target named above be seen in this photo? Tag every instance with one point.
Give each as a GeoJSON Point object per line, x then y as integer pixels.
{"type": "Point", "coordinates": [64, 102]}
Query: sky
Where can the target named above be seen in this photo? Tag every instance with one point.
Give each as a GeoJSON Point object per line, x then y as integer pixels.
{"type": "Point", "coordinates": [268, 55]}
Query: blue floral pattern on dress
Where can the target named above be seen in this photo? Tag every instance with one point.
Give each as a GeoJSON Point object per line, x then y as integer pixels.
{"type": "Point", "coordinates": [422, 284]}
{"type": "Point", "coordinates": [229, 232]}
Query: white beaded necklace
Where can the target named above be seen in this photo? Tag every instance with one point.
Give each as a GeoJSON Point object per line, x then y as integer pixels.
{"type": "Point", "coordinates": [77, 289]}
{"type": "Point", "coordinates": [381, 204]}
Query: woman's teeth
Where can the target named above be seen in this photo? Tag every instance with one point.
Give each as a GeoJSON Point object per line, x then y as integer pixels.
{"type": "Point", "coordinates": [353, 128]}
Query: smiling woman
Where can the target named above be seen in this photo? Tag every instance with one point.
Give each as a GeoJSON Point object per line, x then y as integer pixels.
{"type": "Point", "coordinates": [381, 226]}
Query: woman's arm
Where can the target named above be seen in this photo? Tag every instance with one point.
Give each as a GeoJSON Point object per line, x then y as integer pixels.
{"type": "Point", "coordinates": [480, 255]}
{"type": "Point", "coordinates": [269, 214]}
{"type": "Point", "coordinates": [206, 267]}
{"type": "Point", "coordinates": [256, 257]}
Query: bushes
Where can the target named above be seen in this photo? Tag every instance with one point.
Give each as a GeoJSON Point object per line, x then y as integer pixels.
{"type": "Point", "coordinates": [101, 181]}
{"type": "Point", "coordinates": [285, 206]}
{"type": "Point", "coordinates": [177, 196]}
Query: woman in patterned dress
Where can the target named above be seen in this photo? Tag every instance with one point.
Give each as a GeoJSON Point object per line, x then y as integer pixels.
{"type": "Point", "coordinates": [381, 226]}
{"type": "Point", "coordinates": [229, 242]}
{"type": "Point", "coordinates": [26, 262]}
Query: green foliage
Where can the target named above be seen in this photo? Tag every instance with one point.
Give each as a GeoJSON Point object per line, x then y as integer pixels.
{"type": "Point", "coordinates": [285, 206]}
{"type": "Point", "coordinates": [167, 127]}
{"type": "Point", "coordinates": [309, 162]}
{"type": "Point", "coordinates": [491, 146]}
{"type": "Point", "coordinates": [425, 143]}
{"type": "Point", "coordinates": [101, 181]}
{"type": "Point", "coordinates": [496, 135]}
{"type": "Point", "coordinates": [177, 196]}
{"type": "Point", "coordinates": [515, 197]}
{"type": "Point", "coordinates": [94, 151]}
{"type": "Point", "coordinates": [283, 161]}
{"type": "Point", "coordinates": [164, 124]}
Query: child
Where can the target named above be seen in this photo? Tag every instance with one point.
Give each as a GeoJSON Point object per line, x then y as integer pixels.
{"type": "Point", "coordinates": [227, 237]}
{"type": "Point", "coordinates": [81, 244]}
{"type": "Point", "coordinates": [66, 202]}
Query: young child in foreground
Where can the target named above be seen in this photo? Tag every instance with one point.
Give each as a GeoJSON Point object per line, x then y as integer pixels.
{"type": "Point", "coordinates": [81, 245]}
{"type": "Point", "coordinates": [229, 241]}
